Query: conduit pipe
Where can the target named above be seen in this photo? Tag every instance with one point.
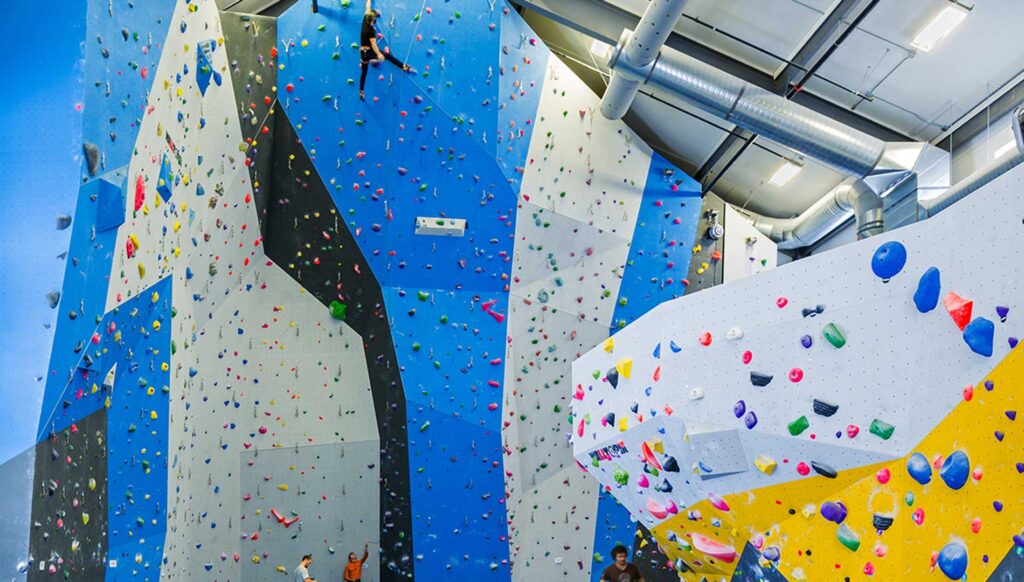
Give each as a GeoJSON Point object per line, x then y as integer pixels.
{"type": "Point", "coordinates": [640, 49]}
{"type": "Point", "coordinates": [983, 176]}
{"type": "Point", "coordinates": [851, 197]}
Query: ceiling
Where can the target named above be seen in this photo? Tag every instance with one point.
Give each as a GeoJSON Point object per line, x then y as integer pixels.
{"type": "Point", "coordinates": [872, 80]}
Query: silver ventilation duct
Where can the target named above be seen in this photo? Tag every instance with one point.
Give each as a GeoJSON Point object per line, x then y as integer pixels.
{"type": "Point", "coordinates": [640, 49]}
{"type": "Point", "coordinates": [982, 176]}
{"type": "Point", "coordinates": [852, 197]}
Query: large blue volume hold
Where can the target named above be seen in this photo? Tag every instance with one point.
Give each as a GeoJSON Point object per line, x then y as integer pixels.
{"type": "Point", "coordinates": [926, 297]}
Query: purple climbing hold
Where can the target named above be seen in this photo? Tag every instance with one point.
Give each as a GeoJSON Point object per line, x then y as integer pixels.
{"type": "Point", "coordinates": [1011, 414]}
{"type": "Point", "coordinates": [999, 435]}
{"type": "Point", "coordinates": [806, 341]}
{"type": "Point", "coordinates": [1020, 467]}
{"type": "Point", "coordinates": [997, 505]}
{"type": "Point", "coordinates": [919, 468]}
{"type": "Point", "coordinates": [979, 334]}
{"type": "Point", "coordinates": [750, 420]}
{"type": "Point", "coordinates": [1002, 312]}
{"type": "Point", "coordinates": [927, 295]}
{"type": "Point", "coordinates": [1018, 540]}
{"type": "Point", "coordinates": [989, 385]}
{"type": "Point", "coordinates": [1012, 341]}
{"type": "Point", "coordinates": [955, 470]}
{"type": "Point", "coordinates": [834, 511]}
{"type": "Point", "coordinates": [739, 409]}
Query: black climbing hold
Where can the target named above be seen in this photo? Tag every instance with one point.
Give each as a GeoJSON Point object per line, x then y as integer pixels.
{"type": "Point", "coordinates": [759, 379]}
{"type": "Point", "coordinates": [824, 408]}
{"type": "Point", "coordinates": [613, 377]}
{"type": "Point", "coordinates": [670, 464]}
{"type": "Point", "coordinates": [824, 470]}
{"type": "Point", "coordinates": [881, 522]}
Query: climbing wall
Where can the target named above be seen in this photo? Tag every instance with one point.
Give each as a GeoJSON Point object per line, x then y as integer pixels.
{"type": "Point", "coordinates": [276, 363]}
{"type": "Point", "coordinates": [847, 415]}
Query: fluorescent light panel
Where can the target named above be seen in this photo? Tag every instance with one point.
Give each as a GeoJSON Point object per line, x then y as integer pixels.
{"type": "Point", "coordinates": [1006, 148]}
{"type": "Point", "coordinates": [940, 27]}
{"type": "Point", "coordinates": [785, 173]}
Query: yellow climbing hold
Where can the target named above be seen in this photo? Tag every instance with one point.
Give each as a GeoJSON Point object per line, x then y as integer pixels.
{"type": "Point", "coordinates": [765, 464]}
{"type": "Point", "coordinates": [609, 344]}
{"type": "Point", "coordinates": [625, 367]}
{"type": "Point", "coordinates": [283, 486]}
{"type": "Point", "coordinates": [135, 241]}
{"type": "Point", "coordinates": [142, 270]}
{"type": "Point", "coordinates": [623, 424]}
{"type": "Point", "coordinates": [152, 415]}
{"type": "Point", "coordinates": [92, 484]}
{"type": "Point", "coordinates": [657, 445]}
{"type": "Point", "coordinates": [85, 518]}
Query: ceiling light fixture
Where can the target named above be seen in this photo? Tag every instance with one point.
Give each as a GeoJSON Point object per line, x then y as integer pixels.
{"type": "Point", "coordinates": [785, 173]}
{"type": "Point", "coordinates": [940, 27]}
{"type": "Point", "coordinates": [599, 48]}
{"type": "Point", "coordinates": [1006, 148]}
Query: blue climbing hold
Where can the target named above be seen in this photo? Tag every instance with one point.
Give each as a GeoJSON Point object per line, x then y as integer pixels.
{"type": "Point", "coordinates": [953, 560]}
{"type": "Point", "coordinates": [927, 295]}
{"type": "Point", "coordinates": [955, 470]}
{"type": "Point", "coordinates": [919, 469]}
{"type": "Point", "coordinates": [979, 335]}
{"type": "Point", "coordinates": [834, 511]}
{"type": "Point", "coordinates": [739, 409]}
{"type": "Point", "coordinates": [889, 260]}
{"type": "Point", "coordinates": [807, 341]}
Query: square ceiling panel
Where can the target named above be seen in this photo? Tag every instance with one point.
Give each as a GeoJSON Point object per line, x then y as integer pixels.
{"type": "Point", "coordinates": [919, 93]}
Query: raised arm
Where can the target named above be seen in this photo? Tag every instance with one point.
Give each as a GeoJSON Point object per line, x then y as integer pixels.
{"type": "Point", "coordinates": [366, 547]}
{"type": "Point", "coordinates": [369, 6]}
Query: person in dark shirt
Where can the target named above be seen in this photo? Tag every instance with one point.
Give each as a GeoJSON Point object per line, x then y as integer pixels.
{"type": "Point", "coordinates": [621, 570]}
{"type": "Point", "coordinates": [369, 52]}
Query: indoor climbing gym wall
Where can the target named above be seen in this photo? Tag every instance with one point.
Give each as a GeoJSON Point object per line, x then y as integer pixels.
{"type": "Point", "coordinates": [299, 321]}
{"type": "Point", "coordinates": [847, 416]}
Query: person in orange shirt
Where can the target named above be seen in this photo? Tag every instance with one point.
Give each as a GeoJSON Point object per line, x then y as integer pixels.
{"type": "Point", "coordinates": [354, 568]}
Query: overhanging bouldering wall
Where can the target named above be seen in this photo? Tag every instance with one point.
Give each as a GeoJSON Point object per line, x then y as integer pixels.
{"type": "Point", "coordinates": [297, 370]}
{"type": "Point", "coordinates": [845, 416]}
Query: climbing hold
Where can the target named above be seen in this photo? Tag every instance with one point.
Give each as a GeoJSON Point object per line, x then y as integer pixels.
{"type": "Point", "coordinates": [834, 511]}
{"type": "Point", "coordinates": [739, 409]}
{"type": "Point", "coordinates": [713, 548]}
{"type": "Point", "coordinates": [624, 367]}
{"type": "Point", "coordinates": [63, 221]}
{"type": "Point", "coordinates": [613, 377]}
{"type": "Point", "coordinates": [705, 339]}
{"type": "Point", "coordinates": [717, 502]}
{"type": "Point", "coordinates": [747, 357]}
{"type": "Point", "coordinates": [670, 465]}
{"type": "Point", "coordinates": [882, 429]}
{"type": "Point", "coordinates": [750, 420]}
{"type": "Point", "coordinates": [734, 333]}
{"type": "Point", "coordinates": [696, 393]}
{"type": "Point", "coordinates": [881, 522]}
{"type": "Point", "coordinates": [798, 426]}
{"type": "Point", "coordinates": [979, 335]}
{"type": "Point", "coordinates": [848, 538]}
{"type": "Point", "coordinates": [959, 309]}
{"type": "Point", "coordinates": [955, 470]}
{"type": "Point", "coordinates": [927, 295]}
{"type": "Point", "coordinates": [1002, 312]}
{"type": "Point", "coordinates": [889, 260]}
{"type": "Point", "coordinates": [834, 335]}
{"type": "Point", "coordinates": [883, 475]}
{"type": "Point", "coordinates": [656, 509]}
{"type": "Point", "coordinates": [824, 408]}
{"type": "Point", "coordinates": [338, 310]}
{"type": "Point", "coordinates": [795, 375]}
{"type": "Point", "coordinates": [781, 302]}
{"type": "Point", "coordinates": [919, 468]}
{"type": "Point", "coordinates": [620, 475]}
{"type": "Point", "coordinates": [760, 379]}
{"type": "Point", "coordinates": [824, 470]}
{"type": "Point", "coordinates": [765, 464]}
{"type": "Point", "coordinates": [807, 341]}
{"type": "Point", "coordinates": [953, 560]}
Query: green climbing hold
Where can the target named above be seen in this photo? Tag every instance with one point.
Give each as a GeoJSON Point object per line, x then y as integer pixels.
{"type": "Point", "coordinates": [834, 335]}
{"type": "Point", "coordinates": [416, 346]}
{"type": "Point", "coordinates": [848, 538]}
{"type": "Point", "coordinates": [425, 426]}
{"type": "Point", "coordinates": [422, 295]}
{"type": "Point", "coordinates": [338, 310]}
{"type": "Point", "coordinates": [621, 476]}
{"type": "Point", "coordinates": [882, 429]}
{"type": "Point", "coordinates": [798, 426]}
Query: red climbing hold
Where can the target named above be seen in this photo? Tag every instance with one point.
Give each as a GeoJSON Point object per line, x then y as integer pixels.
{"type": "Point", "coordinates": [959, 309]}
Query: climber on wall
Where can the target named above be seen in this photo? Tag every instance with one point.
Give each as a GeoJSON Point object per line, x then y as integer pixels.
{"type": "Point", "coordinates": [354, 568]}
{"type": "Point", "coordinates": [369, 52]}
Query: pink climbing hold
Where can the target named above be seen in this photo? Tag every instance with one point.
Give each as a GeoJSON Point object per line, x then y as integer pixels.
{"type": "Point", "coordinates": [579, 429]}
{"type": "Point", "coordinates": [656, 509]}
{"type": "Point", "coordinates": [852, 430]}
{"type": "Point", "coordinates": [713, 548]}
{"type": "Point", "coordinates": [643, 481]}
{"type": "Point", "coordinates": [883, 475]}
{"type": "Point", "coordinates": [803, 468]}
{"type": "Point", "coordinates": [795, 375]}
{"type": "Point", "coordinates": [918, 516]}
{"type": "Point", "coordinates": [782, 302]}
{"type": "Point", "coordinates": [140, 192]}
{"type": "Point", "coordinates": [747, 357]}
{"type": "Point", "coordinates": [717, 502]}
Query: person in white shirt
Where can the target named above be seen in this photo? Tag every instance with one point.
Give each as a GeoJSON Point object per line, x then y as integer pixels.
{"type": "Point", "coordinates": [301, 572]}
